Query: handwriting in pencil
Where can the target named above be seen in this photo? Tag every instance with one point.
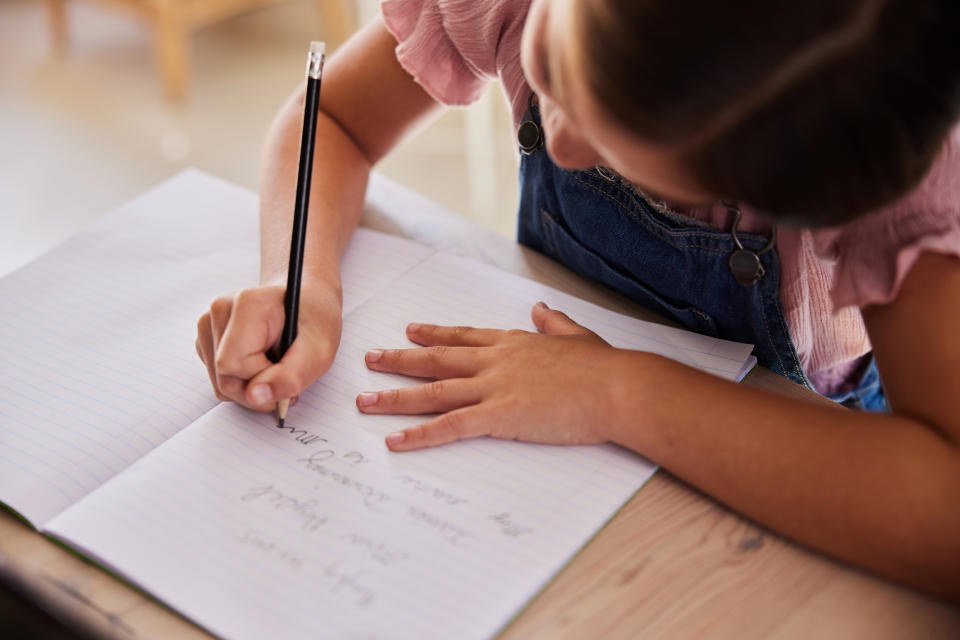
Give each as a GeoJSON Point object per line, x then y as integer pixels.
{"type": "Point", "coordinates": [306, 437]}
{"type": "Point", "coordinates": [448, 531]}
{"type": "Point", "coordinates": [508, 527]}
{"type": "Point", "coordinates": [348, 582]}
{"type": "Point", "coordinates": [259, 541]}
{"type": "Point", "coordinates": [372, 498]}
{"type": "Point", "coordinates": [300, 435]}
{"type": "Point", "coordinates": [378, 551]}
{"type": "Point", "coordinates": [436, 493]}
{"type": "Point", "coordinates": [303, 509]}
{"type": "Point", "coordinates": [355, 457]}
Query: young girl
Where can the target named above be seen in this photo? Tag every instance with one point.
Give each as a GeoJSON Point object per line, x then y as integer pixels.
{"type": "Point", "coordinates": [778, 173]}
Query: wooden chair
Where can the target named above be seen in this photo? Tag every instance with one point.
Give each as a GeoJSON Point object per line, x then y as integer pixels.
{"type": "Point", "coordinates": [173, 21]}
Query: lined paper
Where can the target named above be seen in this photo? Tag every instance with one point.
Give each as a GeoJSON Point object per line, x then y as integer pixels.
{"type": "Point", "coordinates": [252, 533]}
{"type": "Point", "coordinates": [316, 530]}
{"type": "Point", "coordinates": [99, 365]}
{"type": "Point", "coordinates": [111, 440]}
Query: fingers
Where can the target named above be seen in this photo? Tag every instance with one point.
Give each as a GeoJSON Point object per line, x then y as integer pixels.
{"type": "Point", "coordinates": [230, 340]}
{"type": "Point", "coordinates": [431, 334]}
{"type": "Point", "coordinates": [461, 424]}
{"type": "Point", "coordinates": [429, 362]}
{"type": "Point", "coordinates": [304, 362]}
{"type": "Point", "coordinates": [204, 346]}
{"type": "Point", "coordinates": [433, 397]}
{"type": "Point", "coordinates": [245, 327]}
{"type": "Point", "coordinates": [546, 320]}
{"type": "Point", "coordinates": [226, 382]}
{"type": "Point", "coordinates": [236, 333]}
{"type": "Point", "coordinates": [555, 322]}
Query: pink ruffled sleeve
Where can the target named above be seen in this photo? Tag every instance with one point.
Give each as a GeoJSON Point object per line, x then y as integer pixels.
{"type": "Point", "coordinates": [452, 48]}
{"type": "Point", "coordinates": [874, 254]}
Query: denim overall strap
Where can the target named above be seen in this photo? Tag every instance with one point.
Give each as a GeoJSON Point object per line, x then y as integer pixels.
{"type": "Point", "coordinates": [603, 228]}
{"type": "Point", "coordinates": [868, 394]}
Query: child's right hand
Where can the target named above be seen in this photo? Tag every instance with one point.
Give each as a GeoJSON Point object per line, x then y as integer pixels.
{"type": "Point", "coordinates": [368, 104]}
{"type": "Point", "coordinates": [236, 334]}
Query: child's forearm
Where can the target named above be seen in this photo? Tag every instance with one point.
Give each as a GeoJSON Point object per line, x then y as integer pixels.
{"type": "Point", "coordinates": [878, 490]}
{"type": "Point", "coordinates": [368, 103]}
{"type": "Point", "coordinates": [338, 184]}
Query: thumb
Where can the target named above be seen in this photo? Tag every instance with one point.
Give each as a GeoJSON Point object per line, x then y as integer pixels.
{"type": "Point", "coordinates": [555, 322]}
{"type": "Point", "coordinates": [300, 366]}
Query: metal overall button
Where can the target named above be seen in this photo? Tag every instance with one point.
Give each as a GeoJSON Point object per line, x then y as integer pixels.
{"type": "Point", "coordinates": [745, 264]}
{"type": "Point", "coordinates": [529, 133]}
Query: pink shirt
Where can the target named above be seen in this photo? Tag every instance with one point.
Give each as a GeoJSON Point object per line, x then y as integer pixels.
{"type": "Point", "coordinates": [452, 48]}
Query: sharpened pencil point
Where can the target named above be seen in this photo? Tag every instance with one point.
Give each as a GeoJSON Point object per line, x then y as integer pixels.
{"type": "Point", "coordinates": [282, 407]}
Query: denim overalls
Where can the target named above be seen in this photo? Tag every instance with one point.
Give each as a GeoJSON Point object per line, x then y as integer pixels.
{"type": "Point", "coordinates": [603, 228]}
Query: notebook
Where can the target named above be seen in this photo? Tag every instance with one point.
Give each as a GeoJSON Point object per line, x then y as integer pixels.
{"type": "Point", "coordinates": [112, 442]}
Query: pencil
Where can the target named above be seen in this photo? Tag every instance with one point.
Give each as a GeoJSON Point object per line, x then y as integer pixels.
{"type": "Point", "coordinates": [291, 299]}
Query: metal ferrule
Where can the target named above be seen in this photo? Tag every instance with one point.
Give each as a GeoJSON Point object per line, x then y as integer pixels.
{"type": "Point", "coordinates": [315, 59]}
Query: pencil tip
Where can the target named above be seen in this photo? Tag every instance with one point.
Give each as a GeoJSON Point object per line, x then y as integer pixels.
{"type": "Point", "coordinates": [280, 422]}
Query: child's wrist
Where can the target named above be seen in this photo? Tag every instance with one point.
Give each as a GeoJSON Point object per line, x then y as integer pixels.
{"type": "Point", "coordinates": [633, 390]}
{"type": "Point", "coordinates": [324, 282]}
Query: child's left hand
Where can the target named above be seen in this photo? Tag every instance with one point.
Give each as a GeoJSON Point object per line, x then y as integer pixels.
{"type": "Point", "coordinates": [549, 387]}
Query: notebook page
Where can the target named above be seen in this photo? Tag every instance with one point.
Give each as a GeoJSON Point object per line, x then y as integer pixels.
{"type": "Point", "coordinates": [98, 335]}
{"type": "Point", "coordinates": [316, 530]}
{"type": "Point", "coordinates": [447, 289]}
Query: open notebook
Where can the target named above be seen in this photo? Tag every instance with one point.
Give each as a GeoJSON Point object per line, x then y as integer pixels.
{"type": "Point", "coordinates": [112, 442]}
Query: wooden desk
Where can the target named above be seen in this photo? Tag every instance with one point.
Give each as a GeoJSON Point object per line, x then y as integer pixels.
{"type": "Point", "coordinates": [672, 564]}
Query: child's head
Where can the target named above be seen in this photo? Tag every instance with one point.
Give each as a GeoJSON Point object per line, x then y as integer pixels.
{"type": "Point", "coordinates": [814, 111]}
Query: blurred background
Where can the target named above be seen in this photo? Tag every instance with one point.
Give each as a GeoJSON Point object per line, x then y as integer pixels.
{"type": "Point", "coordinates": [102, 99]}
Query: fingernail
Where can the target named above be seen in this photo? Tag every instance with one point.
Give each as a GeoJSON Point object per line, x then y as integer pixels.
{"type": "Point", "coordinates": [374, 354]}
{"type": "Point", "coordinates": [261, 394]}
{"type": "Point", "coordinates": [413, 327]}
{"type": "Point", "coordinates": [367, 398]}
{"type": "Point", "coordinates": [396, 437]}
{"type": "Point", "coordinates": [541, 305]}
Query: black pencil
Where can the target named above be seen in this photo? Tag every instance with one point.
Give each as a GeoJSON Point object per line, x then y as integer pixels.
{"type": "Point", "coordinates": [291, 300]}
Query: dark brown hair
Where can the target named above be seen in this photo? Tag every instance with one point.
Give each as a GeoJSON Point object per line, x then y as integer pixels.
{"type": "Point", "coordinates": [813, 111]}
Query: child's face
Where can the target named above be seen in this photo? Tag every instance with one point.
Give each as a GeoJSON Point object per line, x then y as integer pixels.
{"type": "Point", "coordinates": [579, 134]}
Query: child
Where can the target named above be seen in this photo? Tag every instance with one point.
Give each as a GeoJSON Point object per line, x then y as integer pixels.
{"type": "Point", "coordinates": [746, 169]}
